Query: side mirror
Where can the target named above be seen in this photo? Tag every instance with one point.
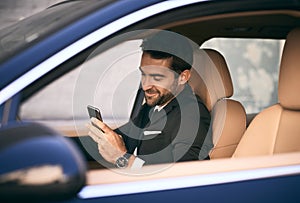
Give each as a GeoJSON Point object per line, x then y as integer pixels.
{"type": "Point", "coordinates": [36, 163]}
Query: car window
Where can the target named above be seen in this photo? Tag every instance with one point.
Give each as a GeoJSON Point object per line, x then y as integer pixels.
{"type": "Point", "coordinates": [253, 65]}
{"type": "Point", "coordinates": [108, 80]}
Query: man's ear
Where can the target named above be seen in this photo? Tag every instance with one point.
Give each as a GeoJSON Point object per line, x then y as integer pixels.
{"type": "Point", "coordinates": [184, 77]}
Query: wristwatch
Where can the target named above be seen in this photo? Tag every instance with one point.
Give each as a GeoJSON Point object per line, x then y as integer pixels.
{"type": "Point", "coordinates": [122, 162]}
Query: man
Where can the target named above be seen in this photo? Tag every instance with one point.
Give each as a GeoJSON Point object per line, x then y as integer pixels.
{"type": "Point", "coordinates": [172, 124]}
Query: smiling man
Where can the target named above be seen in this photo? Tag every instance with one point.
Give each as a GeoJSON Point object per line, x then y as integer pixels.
{"type": "Point", "coordinates": [172, 124]}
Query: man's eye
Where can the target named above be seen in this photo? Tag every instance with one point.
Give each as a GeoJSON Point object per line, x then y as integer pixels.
{"type": "Point", "coordinates": [157, 78]}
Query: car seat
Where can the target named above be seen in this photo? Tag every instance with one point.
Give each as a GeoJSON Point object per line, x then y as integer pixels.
{"type": "Point", "coordinates": [211, 81]}
{"type": "Point", "coordinates": [277, 128]}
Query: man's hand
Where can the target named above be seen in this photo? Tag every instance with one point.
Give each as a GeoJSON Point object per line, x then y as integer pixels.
{"type": "Point", "coordinates": [110, 145]}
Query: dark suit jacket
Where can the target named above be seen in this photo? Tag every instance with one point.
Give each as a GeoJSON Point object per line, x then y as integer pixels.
{"type": "Point", "coordinates": [176, 133]}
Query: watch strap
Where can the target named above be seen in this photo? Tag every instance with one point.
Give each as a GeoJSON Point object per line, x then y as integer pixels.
{"type": "Point", "coordinates": [127, 155]}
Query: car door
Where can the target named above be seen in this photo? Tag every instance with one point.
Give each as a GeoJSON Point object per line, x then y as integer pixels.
{"type": "Point", "coordinates": [71, 49]}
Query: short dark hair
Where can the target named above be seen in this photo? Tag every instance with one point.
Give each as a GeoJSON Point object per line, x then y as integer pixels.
{"type": "Point", "coordinates": [166, 44]}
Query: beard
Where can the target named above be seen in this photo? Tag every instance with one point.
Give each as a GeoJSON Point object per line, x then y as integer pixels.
{"type": "Point", "coordinates": [161, 97]}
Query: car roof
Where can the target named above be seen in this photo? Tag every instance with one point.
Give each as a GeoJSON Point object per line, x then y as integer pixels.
{"type": "Point", "coordinates": [33, 29]}
{"type": "Point", "coordinates": [246, 19]}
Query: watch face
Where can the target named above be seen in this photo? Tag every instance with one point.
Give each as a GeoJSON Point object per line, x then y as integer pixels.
{"type": "Point", "coordinates": [121, 162]}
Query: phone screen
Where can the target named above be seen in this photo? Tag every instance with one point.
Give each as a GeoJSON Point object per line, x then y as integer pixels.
{"type": "Point", "coordinates": [94, 112]}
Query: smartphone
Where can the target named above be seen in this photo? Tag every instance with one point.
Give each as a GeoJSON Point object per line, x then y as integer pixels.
{"type": "Point", "coordinates": [94, 112]}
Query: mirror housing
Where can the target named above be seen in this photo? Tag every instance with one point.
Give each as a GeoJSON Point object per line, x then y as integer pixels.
{"type": "Point", "coordinates": [38, 163]}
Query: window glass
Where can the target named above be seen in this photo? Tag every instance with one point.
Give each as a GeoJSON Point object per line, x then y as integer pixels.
{"type": "Point", "coordinates": [253, 65]}
{"type": "Point", "coordinates": [108, 80]}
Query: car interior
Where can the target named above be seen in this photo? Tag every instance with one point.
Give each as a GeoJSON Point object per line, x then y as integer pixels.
{"type": "Point", "coordinates": [236, 133]}
{"type": "Point", "coordinates": [280, 122]}
{"type": "Point", "coordinates": [273, 131]}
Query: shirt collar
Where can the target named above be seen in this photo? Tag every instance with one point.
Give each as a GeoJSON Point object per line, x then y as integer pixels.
{"type": "Point", "coordinates": [158, 108]}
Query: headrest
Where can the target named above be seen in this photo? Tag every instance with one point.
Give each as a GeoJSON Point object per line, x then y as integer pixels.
{"type": "Point", "coordinates": [289, 76]}
{"type": "Point", "coordinates": [210, 77]}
